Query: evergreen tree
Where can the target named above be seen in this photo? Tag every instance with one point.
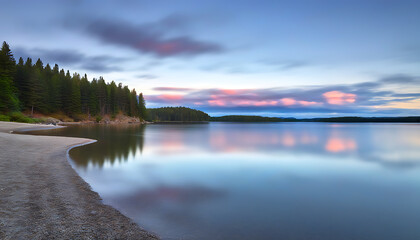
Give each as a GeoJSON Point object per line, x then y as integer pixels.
{"type": "Point", "coordinates": [113, 98]}
{"type": "Point", "coordinates": [34, 87]}
{"type": "Point", "coordinates": [84, 94]}
{"type": "Point", "coordinates": [20, 81]}
{"type": "Point", "coordinates": [75, 96]}
{"type": "Point", "coordinates": [142, 107]}
{"type": "Point", "coordinates": [101, 94]}
{"type": "Point", "coordinates": [55, 90]}
{"type": "Point", "coordinates": [51, 90]}
{"type": "Point", "coordinates": [8, 96]}
{"type": "Point", "coordinates": [93, 98]}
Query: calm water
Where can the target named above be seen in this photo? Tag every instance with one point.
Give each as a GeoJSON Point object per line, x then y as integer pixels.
{"type": "Point", "coordinates": [258, 181]}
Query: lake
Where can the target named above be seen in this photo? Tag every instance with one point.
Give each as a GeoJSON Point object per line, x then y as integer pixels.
{"type": "Point", "coordinates": [257, 181]}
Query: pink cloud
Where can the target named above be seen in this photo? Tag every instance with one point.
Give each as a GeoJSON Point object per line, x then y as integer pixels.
{"type": "Point", "coordinates": [307, 103]}
{"type": "Point", "coordinates": [265, 103]}
{"type": "Point", "coordinates": [288, 101]}
{"type": "Point", "coordinates": [229, 91]}
{"type": "Point", "coordinates": [216, 103]}
{"type": "Point", "coordinates": [170, 97]}
{"type": "Point", "coordinates": [255, 103]}
{"type": "Point", "coordinates": [339, 98]}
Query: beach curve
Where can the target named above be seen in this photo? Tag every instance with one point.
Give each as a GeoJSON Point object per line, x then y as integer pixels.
{"type": "Point", "coordinates": [42, 196]}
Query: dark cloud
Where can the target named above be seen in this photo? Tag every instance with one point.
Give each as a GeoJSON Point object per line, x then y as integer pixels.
{"type": "Point", "coordinates": [150, 38]}
{"type": "Point", "coordinates": [400, 79]}
{"type": "Point", "coordinates": [72, 58]}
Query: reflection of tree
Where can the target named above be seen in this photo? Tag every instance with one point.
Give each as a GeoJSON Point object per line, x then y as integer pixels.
{"type": "Point", "coordinates": [115, 142]}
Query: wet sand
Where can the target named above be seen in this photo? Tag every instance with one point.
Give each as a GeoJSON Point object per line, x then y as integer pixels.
{"type": "Point", "coordinates": [42, 197]}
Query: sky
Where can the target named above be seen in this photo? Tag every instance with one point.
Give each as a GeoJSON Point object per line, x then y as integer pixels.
{"type": "Point", "coordinates": [312, 58]}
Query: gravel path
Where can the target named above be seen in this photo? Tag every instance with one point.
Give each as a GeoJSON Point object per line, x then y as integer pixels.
{"type": "Point", "coordinates": [42, 197]}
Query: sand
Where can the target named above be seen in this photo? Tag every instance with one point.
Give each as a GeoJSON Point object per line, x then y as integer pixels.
{"type": "Point", "coordinates": [42, 197]}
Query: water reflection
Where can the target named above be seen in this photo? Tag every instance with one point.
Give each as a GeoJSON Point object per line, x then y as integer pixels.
{"type": "Point", "coordinates": [117, 144]}
{"type": "Point", "coordinates": [258, 181]}
{"type": "Point", "coordinates": [369, 142]}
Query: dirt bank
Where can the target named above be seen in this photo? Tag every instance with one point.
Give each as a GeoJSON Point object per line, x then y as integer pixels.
{"type": "Point", "coordinates": [42, 197]}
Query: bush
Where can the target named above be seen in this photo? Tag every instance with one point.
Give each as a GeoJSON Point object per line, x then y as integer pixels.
{"type": "Point", "coordinates": [98, 118]}
{"type": "Point", "coordinates": [4, 118]}
{"type": "Point", "coordinates": [19, 117]}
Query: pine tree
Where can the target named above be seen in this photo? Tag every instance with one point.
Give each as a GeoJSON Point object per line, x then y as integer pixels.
{"type": "Point", "coordinates": [142, 107]}
{"type": "Point", "coordinates": [101, 94]}
{"type": "Point", "coordinates": [8, 96]}
{"type": "Point", "coordinates": [75, 96]}
{"type": "Point", "coordinates": [34, 87]}
{"type": "Point", "coordinates": [55, 89]}
{"type": "Point", "coordinates": [84, 94]}
{"type": "Point", "coordinates": [93, 99]}
{"type": "Point", "coordinates": [113, 98]}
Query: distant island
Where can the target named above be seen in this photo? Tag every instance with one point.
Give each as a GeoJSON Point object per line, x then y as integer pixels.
{"type": "Point", "coordinates": [176, 114]}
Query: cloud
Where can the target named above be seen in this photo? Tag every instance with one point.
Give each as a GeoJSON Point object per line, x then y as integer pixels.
{"type": "Point", "coordinates": [261, 66]}
{"type": "Point", "coordinates": [350, 99]}
{"type": "Point", "coordinates": [172, 89]}
{"type": "Point", "coordinates": [147, 76]}
{"type": "Point", "coordinates": [339, 98]}
{"type": "Point", "coordinates": [73, 58]}
{"type": "Point", "coordinates": [150, 38]}
{"type": "Point", "coordinates": [400, 79]}
{"type": "Point", "coordinates": [284, 65]}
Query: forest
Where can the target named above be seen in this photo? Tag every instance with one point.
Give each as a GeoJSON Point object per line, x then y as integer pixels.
{"type": "Point", "coordinates": [178, 114]}
{"type": "Point", "coordinates": [32, 87]}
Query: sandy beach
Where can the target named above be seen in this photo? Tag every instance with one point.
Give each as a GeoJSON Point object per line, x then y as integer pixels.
{"type": "Point", "coordinates": [42, 197]}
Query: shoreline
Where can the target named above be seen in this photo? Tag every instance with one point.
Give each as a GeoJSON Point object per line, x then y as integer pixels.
{"type": "Point", "coordinates": [42, 196]}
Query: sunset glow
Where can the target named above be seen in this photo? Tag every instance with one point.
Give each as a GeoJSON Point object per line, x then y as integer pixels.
{"type": "Point", "coordinates": [339, 98]}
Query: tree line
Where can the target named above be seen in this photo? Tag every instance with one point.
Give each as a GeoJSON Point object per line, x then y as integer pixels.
{"type": "Point", "coordinates": [179, 114]}
{"type": "Point", "coordinates": [28, 86]}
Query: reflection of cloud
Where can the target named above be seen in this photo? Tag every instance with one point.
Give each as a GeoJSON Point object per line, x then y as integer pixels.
{"type": "Point", "coordinates": [340, 145]}
{"type": "Point", "coordinates": [185, 195]}
{"type": "Point", "coordinates": [174, 203]}
{"type": "Point", "coordinates": [288, 140]}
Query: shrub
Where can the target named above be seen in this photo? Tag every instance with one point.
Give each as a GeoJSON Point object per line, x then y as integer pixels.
{"type": "Point", "coordinates": [4, 118]}
{"type": "Point", "coordinates": [19, 117]}
{"type": "Point", "coordinates": [98, 118]}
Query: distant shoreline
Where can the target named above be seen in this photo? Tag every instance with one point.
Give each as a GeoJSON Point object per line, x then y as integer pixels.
{"type": "Point", "coordinates": [42, 196]}
{"type": "Point", "coordinates": [246, 118]}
